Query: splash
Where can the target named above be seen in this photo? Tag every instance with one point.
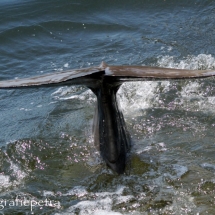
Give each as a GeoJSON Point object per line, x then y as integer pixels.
{"type": "Point", "coordinates": [74, 92]}
{"type": "Point", "coordinates": [135, 97]}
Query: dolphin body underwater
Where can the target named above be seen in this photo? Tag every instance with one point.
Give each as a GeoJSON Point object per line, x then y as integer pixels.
{"type": "Point", "coordinates": [104, 81]}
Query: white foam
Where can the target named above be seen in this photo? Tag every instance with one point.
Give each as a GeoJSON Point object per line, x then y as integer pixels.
{"type": "Point", "coordinates": [182, 203]}
{"type": "Point", "coordinates": [104, 212]}
{"type": "Point", "coordinates": [66, 65]}
{"type": "Point", "coordinates": [201, 61]}
{"type": "Point", "coordinates": [161, 147]}
{"type": "Point", "coordinates": [17, 172]}
{"type": "Point", "coordinates": [101, 206]}
{"type": "Point", "coordinates": [4, 181]}
{"type": "Point", "coordinates": [74, 92]}
{"type": "Point", "coordinates": [98, 203]}
{"type": "Point", "coordinates": [134, 96]}
{"type": "Point", "coordinates": [78, 191]}
{"type": "Point", "coordinates": [145, 149]}
{"type": "Point", "coordinates": [124, 199]}
{"type": "Point", "coordinates": [208, 166]}
{"type": "Point", "coordinates": [48, 193]}
{"type": "Point", "coordinates": [211, 99]}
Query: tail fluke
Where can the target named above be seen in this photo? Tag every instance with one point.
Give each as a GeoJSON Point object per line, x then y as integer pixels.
{"type": "Point", "coordinates": [127, 73]}
{"type": "Point", "coordinates": [51, 79]}
{"type": "Point", "coordinates": [118, 73]}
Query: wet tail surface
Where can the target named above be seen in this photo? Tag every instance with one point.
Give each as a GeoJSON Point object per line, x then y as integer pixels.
{"type": "Point", "coordinates": [113, 135]}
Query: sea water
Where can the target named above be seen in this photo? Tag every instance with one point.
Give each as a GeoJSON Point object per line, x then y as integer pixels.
{"type": "Point", "coordinates": [48, 161]}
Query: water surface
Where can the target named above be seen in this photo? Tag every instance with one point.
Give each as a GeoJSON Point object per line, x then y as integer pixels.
{"type": "Point", "coordinates": [47, 149]}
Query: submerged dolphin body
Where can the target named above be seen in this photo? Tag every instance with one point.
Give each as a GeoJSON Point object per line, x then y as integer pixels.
{"type": "Point", "coordinates": [105, 81]}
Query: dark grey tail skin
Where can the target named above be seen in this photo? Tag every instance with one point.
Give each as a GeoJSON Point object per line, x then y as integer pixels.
{"type": "Point", "coordinates": [113, 136]}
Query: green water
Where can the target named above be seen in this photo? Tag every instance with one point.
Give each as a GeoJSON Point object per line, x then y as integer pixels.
{"type": "Point", "coordinates": [47, 150]}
